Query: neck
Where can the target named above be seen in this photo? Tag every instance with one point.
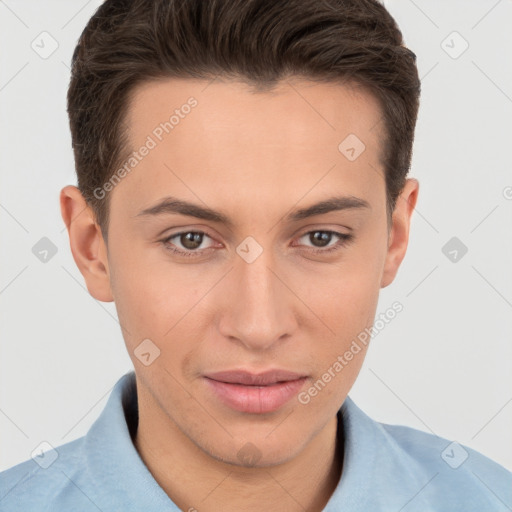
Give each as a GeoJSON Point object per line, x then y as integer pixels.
{"type": "Point", "coordinates": [196, 481]}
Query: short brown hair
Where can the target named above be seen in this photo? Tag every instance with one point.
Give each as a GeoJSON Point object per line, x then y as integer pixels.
{"type": "Point", "coordinates": [128, 42]}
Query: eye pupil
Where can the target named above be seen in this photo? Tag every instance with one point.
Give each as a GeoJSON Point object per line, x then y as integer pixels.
{"type": "Point", "coordinates": [191, 240]}
{"type": "Point", "coordinates": [324, 237]}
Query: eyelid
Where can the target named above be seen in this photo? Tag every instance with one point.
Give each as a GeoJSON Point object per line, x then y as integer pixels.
{"type": "Point", "coordinates": [332, 229]}
{"type": "Point", "coordinates": [343, 240]}
{"type": "Point", "coordinates": [202, 231]}
{"type": "Point", "coordinates": [304, 231]}
{"type": "Point", "coordinates": [179, 230]}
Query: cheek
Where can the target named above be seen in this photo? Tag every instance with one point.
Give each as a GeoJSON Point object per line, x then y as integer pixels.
{"type": "Point", "coordinates": [345, 294]}
{"type": "Point", "coordinates": [161, 302]}
{"type": "Point", "coordinates": [142, 295]}
{"type": "Point", "coordinates": [345, 298]}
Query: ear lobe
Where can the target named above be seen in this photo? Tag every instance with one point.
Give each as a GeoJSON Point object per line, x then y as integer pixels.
{"type": "Point", "coordinates": [399, 233]}
{"type": "Point", "coordinates": [87, 244]}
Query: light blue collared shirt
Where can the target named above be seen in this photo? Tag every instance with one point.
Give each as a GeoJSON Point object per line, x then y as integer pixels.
{"type": "Point", "coordinates": [385, 468]}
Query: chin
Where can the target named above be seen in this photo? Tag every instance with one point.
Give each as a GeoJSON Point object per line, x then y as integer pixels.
{"type": "Point", "coordinates": [257, 451]}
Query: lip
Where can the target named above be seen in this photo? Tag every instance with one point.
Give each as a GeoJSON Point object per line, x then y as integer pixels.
{"type": "Point", "coordinates": [247, 378]}
{"type": "Point", "coordinates": [255, 392]}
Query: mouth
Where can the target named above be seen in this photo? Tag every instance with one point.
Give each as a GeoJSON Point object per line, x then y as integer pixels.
{"type": "Point", "coordinates": [255, 393]}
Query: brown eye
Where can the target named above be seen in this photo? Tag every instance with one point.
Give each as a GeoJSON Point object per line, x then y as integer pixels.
{"type": "Point", "coordinates": [191, 240]}
{"type": "Point", "coordinates": [187, 243]}
{"type": "Point", "coordinates": [322, 240]}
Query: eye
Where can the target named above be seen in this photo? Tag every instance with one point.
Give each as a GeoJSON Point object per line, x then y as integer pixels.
{"type": "Point", "coordinates": [190, 241]}
{"type": "Point", "coordinates": [322, 238]}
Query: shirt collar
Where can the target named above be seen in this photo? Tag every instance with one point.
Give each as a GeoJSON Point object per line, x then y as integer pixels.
{"type": "Point", "coordinates": [109, 449]}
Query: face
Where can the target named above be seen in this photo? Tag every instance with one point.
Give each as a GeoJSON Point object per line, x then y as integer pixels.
{"type": "Point", "coordinates": [250, 276]}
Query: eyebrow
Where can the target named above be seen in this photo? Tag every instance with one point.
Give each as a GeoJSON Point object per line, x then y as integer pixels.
{"type": "Point", "coordinates": [170, 205]}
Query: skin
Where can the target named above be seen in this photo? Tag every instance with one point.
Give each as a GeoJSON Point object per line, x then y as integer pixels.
{"type": "Point", "coordinates": [254, 157]}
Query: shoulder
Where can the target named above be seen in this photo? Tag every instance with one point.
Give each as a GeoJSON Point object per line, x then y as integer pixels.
{"type": "Point", "coordinates": [398, 466]}
{"type": "Point", "coordinates": [452, 472]}
{"type": "Point", "coordinates": [33, 483]}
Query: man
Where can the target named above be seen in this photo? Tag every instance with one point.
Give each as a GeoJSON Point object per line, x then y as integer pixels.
{"type": "Point", "coordinates": [242, 197]}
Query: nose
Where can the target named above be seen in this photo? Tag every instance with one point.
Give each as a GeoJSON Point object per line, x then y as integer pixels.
{"type": "Point", "coordinates": [258, 309]}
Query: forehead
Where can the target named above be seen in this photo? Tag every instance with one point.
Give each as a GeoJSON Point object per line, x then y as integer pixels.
{"type": "Point", "coordinates": [289, 138]}
{"type": "Point", "coordinates": [307, 109]}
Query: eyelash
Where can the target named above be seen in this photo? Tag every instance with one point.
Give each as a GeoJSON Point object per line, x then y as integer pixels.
{"type": "Point", "coordinates": [345, 239]}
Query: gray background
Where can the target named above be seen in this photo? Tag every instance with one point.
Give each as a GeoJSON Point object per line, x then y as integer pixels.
{"type": "Point", "coordinates": [443, 365]}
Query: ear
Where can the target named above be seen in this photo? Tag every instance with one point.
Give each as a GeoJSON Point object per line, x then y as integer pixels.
{"type": "Point", "coordinates": [87, 245]}
{"type": "Point", "coordinates": [399, 232]}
